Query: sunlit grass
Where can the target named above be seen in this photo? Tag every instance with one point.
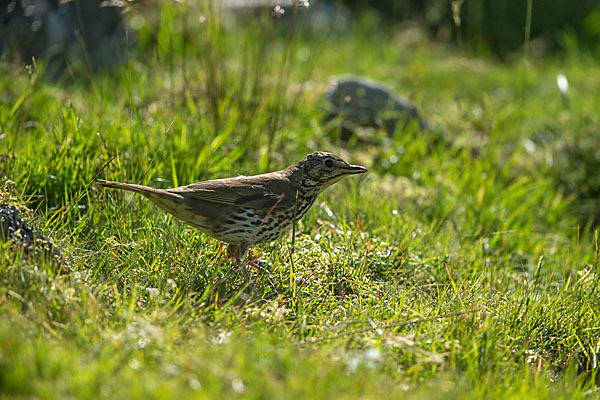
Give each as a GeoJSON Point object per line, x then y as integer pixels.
{"type": "Point", "coordinates": [459, 266]}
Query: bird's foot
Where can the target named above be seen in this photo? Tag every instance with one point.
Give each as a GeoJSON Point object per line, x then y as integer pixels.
{"type": "Point", "coordinates": [254, 264]}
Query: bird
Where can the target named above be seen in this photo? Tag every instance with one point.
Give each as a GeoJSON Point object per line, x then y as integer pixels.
{"type": "Point", "coordinates": [247, 210]}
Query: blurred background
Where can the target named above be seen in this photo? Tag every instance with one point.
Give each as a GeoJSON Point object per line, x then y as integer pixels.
{"type": "Point", "coordinates": [65, 30]}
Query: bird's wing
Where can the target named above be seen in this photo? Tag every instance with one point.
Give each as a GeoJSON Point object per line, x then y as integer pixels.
{"type": "Point", "coordinates": [242, 192]}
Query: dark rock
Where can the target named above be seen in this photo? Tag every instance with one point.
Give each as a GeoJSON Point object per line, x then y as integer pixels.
{"type": "Point", "coordinates": [19, 232]}
{"type": "Point", "coordinates": [360, 102]}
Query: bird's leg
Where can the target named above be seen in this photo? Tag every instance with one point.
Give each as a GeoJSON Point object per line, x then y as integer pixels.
{"type": "Point", "coordinates": [245, 272]}
{"type": "Point", "coordinates": [220, 250]}
{"type": "Point", "coordinates": [232, 251]}
{"type": "Point", "coordinates": [239, 254]}
{"type": "Point", "coordinates": [253, 264]}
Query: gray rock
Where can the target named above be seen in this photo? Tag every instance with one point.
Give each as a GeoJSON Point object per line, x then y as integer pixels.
{"type": "Point", "coordinates": [361, 102]}
{"type": "Point", "coordinates": [86, 35]}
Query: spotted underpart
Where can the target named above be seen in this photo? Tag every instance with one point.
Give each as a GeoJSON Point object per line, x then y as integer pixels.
{"type": "Point", "coordinates": [247, 225]}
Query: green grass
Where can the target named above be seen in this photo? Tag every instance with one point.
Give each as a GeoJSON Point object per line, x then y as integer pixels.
{"type": "Point", "coordinates": [463, 265]}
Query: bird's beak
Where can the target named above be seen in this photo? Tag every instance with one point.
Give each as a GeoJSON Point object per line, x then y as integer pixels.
{"type": "Point", "coordinates": [354, 169]}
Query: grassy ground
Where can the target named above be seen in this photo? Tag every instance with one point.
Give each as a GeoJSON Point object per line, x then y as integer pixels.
{"type": "Point", "coordinates": [464, 264]}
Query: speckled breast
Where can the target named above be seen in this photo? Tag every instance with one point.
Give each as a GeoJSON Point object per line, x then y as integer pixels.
{"type": "Point", "coordinates": [258, 226]}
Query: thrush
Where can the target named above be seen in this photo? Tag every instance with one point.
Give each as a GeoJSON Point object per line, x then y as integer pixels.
{"type": "Point", "coordinates": [247, 210]}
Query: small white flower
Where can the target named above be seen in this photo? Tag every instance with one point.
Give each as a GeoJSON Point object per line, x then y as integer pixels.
{"type": "Point", "coordinates": [562, 82]}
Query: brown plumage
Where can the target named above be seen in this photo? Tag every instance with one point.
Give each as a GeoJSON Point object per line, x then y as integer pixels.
{"type": "Point", "coordinates": [243, 211]}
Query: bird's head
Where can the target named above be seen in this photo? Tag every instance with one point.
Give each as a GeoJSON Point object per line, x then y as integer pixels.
{"type": "Point", "coordinates": [323, 169]}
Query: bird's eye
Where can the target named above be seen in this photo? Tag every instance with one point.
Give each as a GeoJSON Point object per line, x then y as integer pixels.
{"type": "Point", "coordinates": [329, 163]}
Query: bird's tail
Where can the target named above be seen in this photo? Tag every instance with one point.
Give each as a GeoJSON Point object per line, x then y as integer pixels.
{"type": "Point", "coordinates": [146, 191]}
{"type": "Point", "coordinates": [156, 195]}
{"type": "Point", "coordinates": [171, 202]}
